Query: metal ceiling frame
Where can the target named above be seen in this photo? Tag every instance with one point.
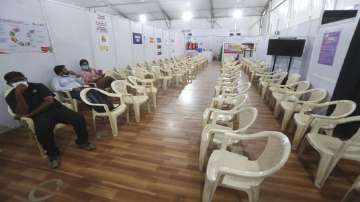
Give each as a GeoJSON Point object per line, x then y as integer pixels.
{"type": "Point", "coordinates": [110, 5]}
{"type": "Point", "coordinates": [165, 14]}
{"type": "Point", "coordinates": [212, 15]}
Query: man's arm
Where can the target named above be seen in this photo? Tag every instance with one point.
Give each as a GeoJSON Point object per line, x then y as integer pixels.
{"type": "Point", "coordinates": [45, 104]}
{"type": "Point", "coordinates": [57, 87]}
{"type": "Point", "coordinates": [21, 106]}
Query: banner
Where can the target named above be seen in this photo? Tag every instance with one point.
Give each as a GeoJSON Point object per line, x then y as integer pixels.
{"type": "Point", "coordinates": [17, 36]}
{"type": "Point", "coordinates": [102, 32]}
{"type": "Point", "coordinates": [137, 38]}
{"type": "Point", "coordinates": [328, 48]}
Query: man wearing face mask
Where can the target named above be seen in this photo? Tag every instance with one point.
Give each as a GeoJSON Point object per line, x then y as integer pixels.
{"type": "Point", "coordinates": [91, 75]}
{"type": "Point", "coordinates": [36, 101]}
{"type": "Point", "coordinates": [66, 80]}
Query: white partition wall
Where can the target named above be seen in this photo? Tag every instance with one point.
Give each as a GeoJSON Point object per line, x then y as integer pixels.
{"type": "Point", "coordinates": [70, 33]}
{"type": "Point", "coordinates": [158, 42]}
{"type": "Point", "coordinates": [123, 41]}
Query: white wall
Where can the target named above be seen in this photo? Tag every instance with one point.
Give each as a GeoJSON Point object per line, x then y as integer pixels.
{"type": "Point", "coordinates": [73, 36]}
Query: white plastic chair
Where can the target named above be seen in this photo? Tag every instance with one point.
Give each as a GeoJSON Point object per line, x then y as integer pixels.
{"type": "Point", "coordinates": [213, 133]}
{"type": "Point", "coordinates": [353, 194]}
{"type": "Point", "coordinates": [294, 101]}
{"type": "Point", "coordinates": [151, 90]}
{"type": "Point", "coordinates": [236, 171]}
{"type": "Point", "coordinates": [305, 118]}
{"type": "Point", "coordinates": [267, 81]}
{"type": "Point", "coordinates": [160, 75]}
{"type": "Point", "coordinates": [332, 149]}
{"type": "Point", "coordinates": [216, 110]}
{"type": "Point", "coordinates": [122, 88]}
{"type": "Point", "coordinates": [280, 92]}
{"type": "Point", "coordinates": [119, 109]}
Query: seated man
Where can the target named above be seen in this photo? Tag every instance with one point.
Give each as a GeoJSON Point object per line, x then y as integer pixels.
{"type": "Point", "coordinates": [36, 101]}
{"type": "Point", "coordinates": [66, 80]}
{"type": "Point", "coordinates": [91, 75]}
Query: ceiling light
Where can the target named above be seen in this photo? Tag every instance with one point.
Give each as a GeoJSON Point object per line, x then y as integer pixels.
{"type": "Point", "coordinates": [237, 14]}
{"type": "Point", "coordinates": [142, 18]}
{"type": "Point", "coordinates": [187, 16]}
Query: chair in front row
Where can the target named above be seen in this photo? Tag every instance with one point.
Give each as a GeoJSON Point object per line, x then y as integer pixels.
{"type": "Point", "coordinates": [101, 106]}
{"type": "Point", "coordinates": [236, 171]}
{"type": "Point", "coordinates": [332, 149]}
{"type": "Point", "coordinates": [212, 134]}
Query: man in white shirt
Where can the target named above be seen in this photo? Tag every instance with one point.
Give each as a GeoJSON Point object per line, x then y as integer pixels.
{"type": "Point", "coordinates": [66, 80]}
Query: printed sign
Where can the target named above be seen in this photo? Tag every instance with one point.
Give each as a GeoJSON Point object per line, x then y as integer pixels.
{"type": "Point", "coordinates": [18, 36]}
{"type": "Point", "coordinates": [232, 48]}
{"type": "Point", "coordinates": [137, 38]}
{"type": "Point", "coordinates": [102, 32]}
{"type": "Point", "coordinates": [158, 40]}
{"type": "Point", "coordinates": [328, 48]}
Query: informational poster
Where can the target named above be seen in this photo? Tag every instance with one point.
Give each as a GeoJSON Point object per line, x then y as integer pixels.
{"type": "Point", "coordinates": [102, 32]}
{"type": "Point", "coordinates": [151, 40]}
{"type": "Point", "coordinates": [17, 36]}
{"type": "Point", "coordinates": [328, 48]}
{"type": "Point", "coordinates": [232, 48]}
{"type": "Point", "coordinates": [137, 38]}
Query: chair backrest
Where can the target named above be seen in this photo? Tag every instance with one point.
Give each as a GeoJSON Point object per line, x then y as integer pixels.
{"type": "Point", "coordinates": [244, 88]}
{"type": "Point", "coordinates": [94, 96]}
{"type": "Point", "coordinates": [119, 87]}
{"type": "Point", "coordinates": [246, 118]}
{"type": "Point", "coordinates": [343, 108]}
{"type": "Point", "coordinates": [293, 78]}
{"type": "Point", "coordinates": [236, 101]}
{"type": "Point", "coordinates": [302, 85]}
{"type": "Point", "coordinates": [317, 95]}
{"type": "Point", "coordinates": [275, 154]}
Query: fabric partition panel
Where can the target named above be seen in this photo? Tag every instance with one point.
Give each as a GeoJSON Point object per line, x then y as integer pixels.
{"type": "Point", "coordinates": [122, 41]}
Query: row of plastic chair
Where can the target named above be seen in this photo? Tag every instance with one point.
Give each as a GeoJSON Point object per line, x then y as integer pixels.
{"type": "Point", "coordinates": [127, 89]}
{"type": "Point", "coordinates": [310, 114]}
{"type": "Point", "coordinates": [225, 124]}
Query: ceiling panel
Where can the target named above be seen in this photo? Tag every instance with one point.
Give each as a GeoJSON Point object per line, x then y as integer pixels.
{"type": "Point", "coordinates": [174, 8]}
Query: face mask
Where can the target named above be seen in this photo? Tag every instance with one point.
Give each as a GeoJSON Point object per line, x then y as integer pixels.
{"type": "Point", "coordinates": [85, 67]}
{"type": "Point", "coordinates": [19, 83]}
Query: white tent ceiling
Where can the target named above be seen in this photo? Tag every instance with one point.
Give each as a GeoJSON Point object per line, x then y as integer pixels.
{"type": "Point", "coordinates": [173, 9]}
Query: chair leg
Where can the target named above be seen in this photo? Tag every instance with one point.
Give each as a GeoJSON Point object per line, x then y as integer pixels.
{"type": "Point", "coordinates": [164, 84]}
{"type": "Point", "coordinates": [299, 135]}
{"type": "Point", "coordinates": [209, 190]}
{"type": "Point", "coordinates": [253, 194]}
{"type": "Point", "coordinates": [153, 97]}
{"type": "Point", "coordinates": [326, 165]}
{"type": "Point", "coordinates": [277, 108]}
{"type": "Point", "coordinates": [94, 126]}
{"type": "Point", "coordinates": [137, 112]}
{"type": "Point", "coordinates": [114, 126]}
{"type": "Point", "coordinates": [204, 145]}
{"type": "Point", "coordinates": [148, 106]}
{"type": "Point", "coordinates": [127, 115]}
{"type": "Point", "coordinates": [286, 119]}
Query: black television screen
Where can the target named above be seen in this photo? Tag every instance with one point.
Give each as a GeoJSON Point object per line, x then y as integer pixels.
{"type": "Point", "coordinates": [286, 47]}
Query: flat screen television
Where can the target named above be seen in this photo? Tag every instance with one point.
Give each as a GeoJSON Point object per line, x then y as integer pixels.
{"type": "Point", "coordinates": [286, 47]}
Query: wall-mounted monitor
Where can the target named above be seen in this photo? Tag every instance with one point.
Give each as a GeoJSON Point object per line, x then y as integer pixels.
{"type": "Point", "coordinates": [286, 47]}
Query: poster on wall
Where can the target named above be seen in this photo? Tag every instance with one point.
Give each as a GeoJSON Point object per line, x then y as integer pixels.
{"type": "Point", "coordinates": [151, 40]}
{"type": "Point", "coordinates": [158, 47]}
{"type": "Point", "coordinates": [102, 32]}
{"type": "Point", "coordinates": [232, 48]}
{"type": "Point", "coordinates": [17, 36]}
{"type": "Point", "coordinates": [328, 48]}
{"type": "Point", "coordinates": [137, 38]}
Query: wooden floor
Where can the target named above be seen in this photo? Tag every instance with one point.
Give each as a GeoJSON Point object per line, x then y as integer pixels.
{"type": "Point", "coordinates": [157, 159]}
